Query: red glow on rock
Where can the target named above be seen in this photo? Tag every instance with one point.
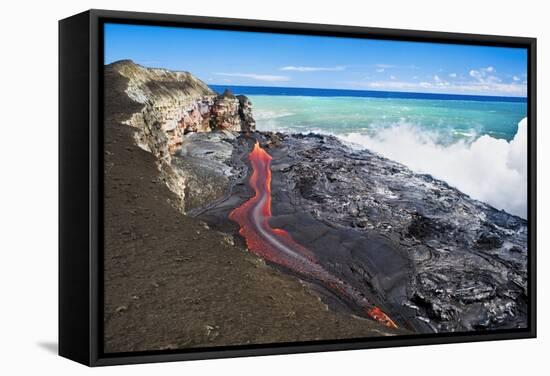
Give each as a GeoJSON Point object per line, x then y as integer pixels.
{"type": "Point", "coordinates": [253, 217]}
{"type": "Point", "coordinates": [276, 245]}
{"type": "Point", "coordinates": [377, 314]}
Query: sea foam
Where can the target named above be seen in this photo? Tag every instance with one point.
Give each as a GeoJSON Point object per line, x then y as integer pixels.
{"type": "Point", "coordinates": [487, 169]}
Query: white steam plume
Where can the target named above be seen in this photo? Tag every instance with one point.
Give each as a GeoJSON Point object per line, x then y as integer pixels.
{"type": "Point", "coordinates": [488, 169]}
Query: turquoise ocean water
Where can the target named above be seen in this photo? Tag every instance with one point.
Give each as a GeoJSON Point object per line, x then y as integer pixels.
{"type": "Point", "coordinates": [477, 144]}
{"type": "Point", "coordinates": [449, 119]}
{"type": "Point", "coordinates": [346, 111]}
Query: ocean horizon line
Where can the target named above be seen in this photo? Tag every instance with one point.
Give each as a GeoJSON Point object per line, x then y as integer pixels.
{"type": "Point", "coordinates": [358, 93]}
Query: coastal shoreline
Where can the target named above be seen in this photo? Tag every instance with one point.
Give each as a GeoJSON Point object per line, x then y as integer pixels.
{"type": "Point", "coordinates": [352, 208]}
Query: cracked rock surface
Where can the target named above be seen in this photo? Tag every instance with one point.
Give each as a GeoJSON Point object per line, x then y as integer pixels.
{"type": "Point", "coordinates": [432, 257]}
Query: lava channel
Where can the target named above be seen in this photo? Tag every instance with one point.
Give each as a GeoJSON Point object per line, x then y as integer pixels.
{"type": "Point", "coordinates": [277, 246]}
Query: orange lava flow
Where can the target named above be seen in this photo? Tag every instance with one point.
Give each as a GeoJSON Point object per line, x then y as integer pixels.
{"type": "Point", "coordinates": [377, 314]}
{"type": "Point", "coordinates": [277, 246]}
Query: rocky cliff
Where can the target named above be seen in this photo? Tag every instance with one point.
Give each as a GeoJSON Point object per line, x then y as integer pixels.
{"type": "Point", "coordinates": [176, 104]}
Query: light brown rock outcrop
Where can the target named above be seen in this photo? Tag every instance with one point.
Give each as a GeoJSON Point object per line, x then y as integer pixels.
{"type": "Point", "coordinates": [177, 103]}
{"type": "Point", "coordinates": [175, 106]}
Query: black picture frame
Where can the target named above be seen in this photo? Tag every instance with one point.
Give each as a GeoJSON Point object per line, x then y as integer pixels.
{"type": "Point", "coordinates": [81, 185]}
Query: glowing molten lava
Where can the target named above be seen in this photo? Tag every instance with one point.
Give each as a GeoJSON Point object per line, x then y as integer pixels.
{"type": "Point", "coordinates": [276, 245]}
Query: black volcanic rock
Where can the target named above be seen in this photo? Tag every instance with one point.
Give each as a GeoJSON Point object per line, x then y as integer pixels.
{"type": "Point", "coordinates": [248, 123]}
{"type": "Point", "coordinates": [433, 258]}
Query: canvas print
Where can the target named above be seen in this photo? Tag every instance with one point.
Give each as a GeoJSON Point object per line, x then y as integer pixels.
{"type": "Point", "coordinates": [264, 188]}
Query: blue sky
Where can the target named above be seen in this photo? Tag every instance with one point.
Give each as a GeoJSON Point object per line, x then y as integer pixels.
{"type": "Point", "coordinates": [264, 59]}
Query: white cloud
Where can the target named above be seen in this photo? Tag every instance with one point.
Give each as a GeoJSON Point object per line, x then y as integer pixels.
{"type": "Point", "coordinates": [313, 69]}
{"type": "Point", "coordinates": [495, 88]}
{"type": "Point", "coordinates": [483, 81]}
{"type": "Point", "coordinates": [484, 75]}
{"type": "Point", "coordinates": [516, 78]}
{"type": "Point", "coordinates": [380, 70]}
{"type": "Point", "coordinates": [385, 66]}
{"type": "Point", "coordinates": [257, 77]}
{"type": "Point", "coordinates": [397, 85]}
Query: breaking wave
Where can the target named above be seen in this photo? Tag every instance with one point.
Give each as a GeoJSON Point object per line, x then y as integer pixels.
{"type": "Point", "coordinates": [270, 114]}
{"type": "Point", "coordinates": [488, 169]}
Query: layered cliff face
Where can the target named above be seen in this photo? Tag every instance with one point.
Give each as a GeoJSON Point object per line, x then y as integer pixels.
{"type": "Point", "coordinates": [233, 113]}
{"type": "Point", "coordinates": [176, 104]}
